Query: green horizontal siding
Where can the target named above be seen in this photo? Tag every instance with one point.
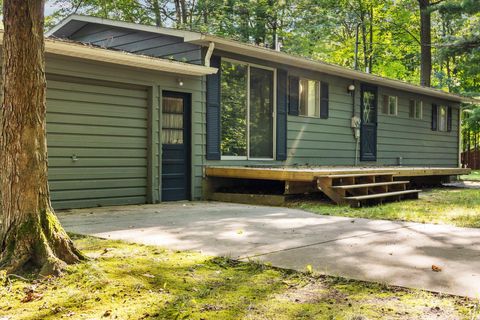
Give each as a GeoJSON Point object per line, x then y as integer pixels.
{"type": "Point", "coordinates": [105, 128]}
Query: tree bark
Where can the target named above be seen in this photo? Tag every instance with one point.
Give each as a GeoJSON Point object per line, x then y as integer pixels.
{"type": "Point", "coordinates": [30, 233]}
{"type": "Point", "coordinates": [425, 43]}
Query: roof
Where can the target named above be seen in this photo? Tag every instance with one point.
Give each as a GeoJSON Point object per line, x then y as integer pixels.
{"type": "Point", "coordinates": [82, 51]}
{"type": "Point", "coordinates": [75, 22]}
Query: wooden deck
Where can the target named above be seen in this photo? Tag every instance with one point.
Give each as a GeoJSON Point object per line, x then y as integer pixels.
{"type": "Point", "coordinates": [308, 174]}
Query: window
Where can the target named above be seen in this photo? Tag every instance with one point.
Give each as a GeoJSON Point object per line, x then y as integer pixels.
{"type": "Point", "coordinates": [390, 105]}
{"type": "Point", "coordinates": [442, 118]}
{"type": "Point", "coordinates": [416, 109]}
{"type": "Point", "coordinates": [247, 110]}
{"type": "Point", "coordinates": [309, 98]}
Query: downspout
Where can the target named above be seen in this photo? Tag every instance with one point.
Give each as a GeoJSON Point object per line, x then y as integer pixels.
{"type": "Point", "coordinates": [209, 53]}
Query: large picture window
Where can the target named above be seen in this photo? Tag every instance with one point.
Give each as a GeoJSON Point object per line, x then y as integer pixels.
{"type": "Point", "coordinates": [247, 111]}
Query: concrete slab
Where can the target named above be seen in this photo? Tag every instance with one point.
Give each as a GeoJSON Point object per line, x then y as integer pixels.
{"type": "Point", "coordinates": [397, 253]}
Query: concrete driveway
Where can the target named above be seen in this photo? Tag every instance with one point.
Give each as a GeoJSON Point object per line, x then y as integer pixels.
{"type": "Point", "coordinates": [396, 253]}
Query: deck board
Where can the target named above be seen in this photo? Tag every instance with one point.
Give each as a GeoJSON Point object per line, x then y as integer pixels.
{"type": "Point", "coordinates": [311, 173]}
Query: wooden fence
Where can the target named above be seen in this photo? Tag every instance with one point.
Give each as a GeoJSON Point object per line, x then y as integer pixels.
{"type": "Point", "coordinates": [471, 159]}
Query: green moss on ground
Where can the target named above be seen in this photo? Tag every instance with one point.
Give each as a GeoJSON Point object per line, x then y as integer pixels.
{"type": "Point", "coordinates": [128, 281]}
{"type": "Point", "coordinates": [458, 207]}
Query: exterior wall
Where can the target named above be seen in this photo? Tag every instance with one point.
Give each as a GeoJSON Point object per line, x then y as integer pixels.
{"type": "Point", "coordinates": [61, 72]}
{"type": "Point", "coordinates": [139, 42]}
{"type": "Point", "coordinates": [330, 142]}
{"type": "Point", "coordinates": [413, 139]}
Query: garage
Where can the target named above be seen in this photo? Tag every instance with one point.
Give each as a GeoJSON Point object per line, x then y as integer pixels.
{"type": "Point", "coordinates": [97, 135]}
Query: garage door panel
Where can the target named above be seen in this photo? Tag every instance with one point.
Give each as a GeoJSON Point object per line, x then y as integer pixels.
{"type": "Point", "coordinates": [94, 98]}
{"type": "Point", "coordinates": [98, 141]}
{"type": "Point", "coordinates": [96, 152]}
{"type": "Point", "coordinates": [96, 162]}
{"type": "Point", "coordinates": [62, 173]}
{"type": "Point", "coordinates": [96, 130]}
{"type": "Point", "coordinates": [97, 184]}
{"type": "Point", "coordinates": [97, 193]}
{"type": "Point", "coordinates": [123, 91]}
{"type": "Point", "coordinates": [95, 109]}
{"type": "Point", "coordinates": [105, 128]}
{"type": "Point", "coordinates": [96, 120]}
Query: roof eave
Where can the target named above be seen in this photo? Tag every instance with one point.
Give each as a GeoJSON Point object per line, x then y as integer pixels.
{"type": "Point", "coordinates": [284, 58]}
{"type": "Point", "coordinates": [75, 50]}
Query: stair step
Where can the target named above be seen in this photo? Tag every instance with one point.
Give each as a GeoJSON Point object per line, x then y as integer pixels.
{"type": "Point", "coordinates": [382, 195]}
{"type": "Point", "coordinates": [338, 176]}
{"type": "Point", "coordinates": [373, 184]}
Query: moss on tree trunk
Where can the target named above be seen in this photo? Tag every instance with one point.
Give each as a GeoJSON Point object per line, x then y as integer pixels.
{"type": "Point", "coordinates": [30, 233]}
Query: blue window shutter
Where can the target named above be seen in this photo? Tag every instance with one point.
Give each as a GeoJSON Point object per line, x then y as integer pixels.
{"type": "Point", "coordinates": [293, 98]}
{"type": "Point", "coordinates": [449, 119]}
{"type": "Point", "coordinates": [323, 100]}
{"type": "Point", "coordinates": [213, 111]}
{"type": "Point", "coordinates": [434, 117]}
{"type": "Point", "coordinates": [282, 98]}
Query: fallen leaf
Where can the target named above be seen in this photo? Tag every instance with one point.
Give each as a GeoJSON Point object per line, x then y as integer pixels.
{"type": "Point", "coordinates": [148, 275]}
{"type": "Point", "coordinates": [31, 296]}
{"type": "Point", "coordinates": [239, 231]}
{"type": "Point", "coordinates": [436, 268]}
{"type": "Point", "coordinates": [107, 313]}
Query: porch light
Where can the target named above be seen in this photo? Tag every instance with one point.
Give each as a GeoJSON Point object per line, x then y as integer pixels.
{"type": "Point", "coordinates": [351, 88]}
{"type": "Point", "coordinates": [180, 82]}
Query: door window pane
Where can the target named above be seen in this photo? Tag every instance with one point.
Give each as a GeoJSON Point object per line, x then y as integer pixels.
{"type": "Point", "coordinates": [172, 120]}
{"type": "Point", "coordinates": [261, 113]}
{"type": "Point", "coordinates": [368, 115]}
{"type": "Point", "coordinates": [234, 109]}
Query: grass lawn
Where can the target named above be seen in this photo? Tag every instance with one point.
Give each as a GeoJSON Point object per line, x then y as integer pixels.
{"type": "Point", "coordinates": [473, 176]}
{"type": "Point", "coordinates": [459, 207]}
{"type": "Point", "coordinates": [127, 281]}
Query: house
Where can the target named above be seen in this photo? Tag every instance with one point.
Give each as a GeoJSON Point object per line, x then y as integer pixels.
{"type": "Point", "coordinates": [141, 120]}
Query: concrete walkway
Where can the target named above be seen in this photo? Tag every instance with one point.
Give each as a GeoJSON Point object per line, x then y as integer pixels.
{"type": "Point", "coordinates": [390, 252]}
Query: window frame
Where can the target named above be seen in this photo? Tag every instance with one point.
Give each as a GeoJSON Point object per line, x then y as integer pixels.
{"type": "Point", "coordinates": [415, 108]}
{"type": "Point", "coordinates": [388, 96]}
{"type": "Point", "coordinates": [318, 89]}
{"type": "Point", "coordinates": [439, 118]}
{"type": "Point", "coordinates": [274, 113]}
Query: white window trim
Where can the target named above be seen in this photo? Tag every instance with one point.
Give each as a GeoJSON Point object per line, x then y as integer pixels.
{"type": "Point", "coordinates": [396, 106]}
{"type": "Point", "coordinates": [421, 110]}
{"type": "Point", "coordinates": [300, 95]}
{"type": "Point", "coordinates": [415, 106]}
{"type": "Point", "coordinates": [274, 113]}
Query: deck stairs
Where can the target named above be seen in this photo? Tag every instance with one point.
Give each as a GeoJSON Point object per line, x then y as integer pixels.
{"type": "Point", "coordinates": [359, 190]}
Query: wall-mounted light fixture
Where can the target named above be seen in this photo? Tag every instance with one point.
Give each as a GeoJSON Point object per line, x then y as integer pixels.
{"type": "Point", "coordinates": [351, 88]}
{"type": "Point", "coordinates": [180, 82]}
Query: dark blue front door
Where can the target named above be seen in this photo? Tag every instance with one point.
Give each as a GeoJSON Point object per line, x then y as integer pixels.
{"type": "Point", "coordinates": [175, 146]}
{"type": "Point", "coordinates": [368, 129]}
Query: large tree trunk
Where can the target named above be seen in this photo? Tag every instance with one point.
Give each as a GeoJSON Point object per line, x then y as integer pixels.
{"type": "Point", "coordinates": [30, 233]}
{"type": "Point", "coordinates": [426, 43]}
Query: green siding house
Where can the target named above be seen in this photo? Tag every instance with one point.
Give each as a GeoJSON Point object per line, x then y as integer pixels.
{"type": "Point", "coordinates": [135, 113]}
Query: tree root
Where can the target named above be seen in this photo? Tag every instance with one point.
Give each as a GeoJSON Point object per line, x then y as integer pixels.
{"type": "Point", "coordinates": [41, 243]}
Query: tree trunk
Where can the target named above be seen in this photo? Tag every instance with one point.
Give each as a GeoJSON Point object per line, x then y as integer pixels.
{"type": "Point", "coordinates": [425, 43]}
{"type": "Point", "coordinates": [156, 10]}
{"type": "Point", "coordinates": [30, 233]}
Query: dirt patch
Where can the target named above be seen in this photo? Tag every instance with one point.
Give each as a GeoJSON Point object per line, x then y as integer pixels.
{"type": "Point", "coordinates": [312, 292]}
